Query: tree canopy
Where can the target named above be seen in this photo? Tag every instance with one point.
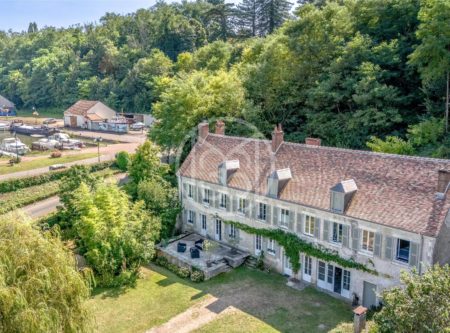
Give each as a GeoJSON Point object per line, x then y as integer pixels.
{"type": "Point", "coordinates": [40, 288]}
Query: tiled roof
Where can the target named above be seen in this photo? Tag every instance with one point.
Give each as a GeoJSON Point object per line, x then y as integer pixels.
{"type": "Point", "coordinates": [94, 117]}
{"type": "Point", "coordinates": [393, 190]}
{"type": "Point", "coordinates": [81, 107]}
{"type": "Point", "coordinates": [5, 102]}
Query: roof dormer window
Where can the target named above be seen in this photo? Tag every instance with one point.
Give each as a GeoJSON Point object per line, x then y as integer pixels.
{"type": "Point", "coordinates": [341, 194]}
{"type": "Point", "coordinates": [226, 170]}
{"type": "Point", "coordinates": [277, 181]}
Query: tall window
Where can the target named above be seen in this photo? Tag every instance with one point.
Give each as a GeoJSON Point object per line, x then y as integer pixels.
{"type": "Point", "coordinates": [337, 233]}
{"type": "Point", "coordinates": [346, 280]}
{"type": "Point", "coordinates": [310, 224]}
{"type": "Point", "coordinates": [223, 200]}
{"type": "Point", "coordinates": [191, 216]}
{"type": "Point", "coordinates": [190, 191]}
{"type": "Point", "coordinates": [271, 246]}
{"type": "Point", "coordinates": [207, 196]}
{"type": "Point", "coordinates": [258, 242]}
{"type": "Point", "coordinates": [321, 274]}
{"type": "Point", "coordinates": [232, 231]}
{"type": "Point", "coordinates": [203, 221]}
{"type": "Point", "coordinates": [308, 265]}
{"type": "Point", "coordinates": [262, 211]}
{"type": "Point", "coordinates": [242, 205]}
{"type": "Point", "coordinates": [284, 218]}
{"type": "Point", "coordinates": [403, 250]}
{"type": "Point", "coordinates": [367, 240]}
{"type": "Point", "coordinates": [330, 273]}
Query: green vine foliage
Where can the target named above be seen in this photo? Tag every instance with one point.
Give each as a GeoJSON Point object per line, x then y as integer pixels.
{"type": "Point", "coordinates": [293, 245]}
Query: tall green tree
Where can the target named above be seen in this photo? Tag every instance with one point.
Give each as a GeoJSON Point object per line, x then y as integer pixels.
{"type": "Point", "coordinates": [432, 55]}
{"type": "Point", "coordinates": [41, 290]}
{"type": "Point", "coordinates": [421, 305]}
{"type": "Point", "coordinates": [115, 235]}
{"type": "Point", "coordinates": [272, 14]}
{"type": "Point", "coordinates": [248, 18]}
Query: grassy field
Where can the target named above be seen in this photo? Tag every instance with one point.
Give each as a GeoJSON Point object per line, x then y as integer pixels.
{"type": "Point", "coordinates": [259, 302]}
{"type": "Point", "coordinates": [43, 113]}
{"type": "Point", "coordinates": [44, 162]}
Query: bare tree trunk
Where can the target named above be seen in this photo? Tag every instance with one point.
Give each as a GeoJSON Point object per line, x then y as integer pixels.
{"type": "Point", "coordinates": [446, 104]}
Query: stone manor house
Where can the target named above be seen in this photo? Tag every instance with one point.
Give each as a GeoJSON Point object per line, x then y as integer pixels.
{"type": "Point", "coordinates": [388, 212]}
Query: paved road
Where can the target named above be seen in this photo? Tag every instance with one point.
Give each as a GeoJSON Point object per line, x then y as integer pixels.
{"type": "Point", "coordinates": [42, 208]}
{"type": "Point", "coordinates": [107, 154]}
{"type": "Point", "coordinates": [131, 137]}
{"type": "Point", "coordinates": [47, 206]}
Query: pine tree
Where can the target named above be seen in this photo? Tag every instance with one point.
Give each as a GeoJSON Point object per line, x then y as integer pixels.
{"type": "Point", "coordinates": [248, 18]}
{"type": "Point", "coordinates": [272, 14]}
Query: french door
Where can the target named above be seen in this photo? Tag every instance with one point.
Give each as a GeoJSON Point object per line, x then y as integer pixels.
{"type": "Point", "coordinates": [218, 229]}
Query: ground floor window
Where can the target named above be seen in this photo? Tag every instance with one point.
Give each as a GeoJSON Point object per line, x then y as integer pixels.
{"type": "Point", "coordinates": [203, 217]}
{"type": "Point", "coordinates": [308, 265]}
{"type": "Point", "coordinates": [232, 231]}
{"type": "Point", "coordinates": [346, 281]}
{"type": "Point", "coordinates": [258, 243]}
{"type": "Point", "coordinates": [271, 246]}
{"type": "Point", "coordinates": [321, 272]}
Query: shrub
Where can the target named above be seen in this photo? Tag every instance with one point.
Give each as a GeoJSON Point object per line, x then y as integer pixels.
{"type": "Point", "coordinates": [183, 272]}
{"type": "Point", "coordinates": [197, 276]}
{"type": "Point", "coordinates": [122, 160]}
{"type": "Point", "coordinates": [56, 154]}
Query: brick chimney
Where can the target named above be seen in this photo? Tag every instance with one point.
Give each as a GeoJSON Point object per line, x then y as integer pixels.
{"type": "Point", "coordinates": [220, 127]}
{"type": "Point", "coordinates": [313, 141]}
{"type": "Point", "coordinates": [277, 137]}
{"type": "Point", "coordinates": [203, 130]}
{"type": "Point", "coordinates": [443, 180]}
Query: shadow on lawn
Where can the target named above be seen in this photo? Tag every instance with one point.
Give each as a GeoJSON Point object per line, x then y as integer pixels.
{"type": "Point", "coordinates": [266, 297]}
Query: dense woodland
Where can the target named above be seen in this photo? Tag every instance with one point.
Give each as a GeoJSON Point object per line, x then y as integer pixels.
{"type": "Point", "coordinates": [356, 73]}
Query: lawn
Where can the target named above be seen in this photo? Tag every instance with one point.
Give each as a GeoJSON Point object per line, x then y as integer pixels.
{"type": "Point", "coordinates": [247, 301]}
{"type": "Point", "coordinates": [44, 162]}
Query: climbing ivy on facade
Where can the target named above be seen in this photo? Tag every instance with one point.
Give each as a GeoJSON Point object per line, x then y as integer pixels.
{"type": "Point", "coordinates": [293, 245]}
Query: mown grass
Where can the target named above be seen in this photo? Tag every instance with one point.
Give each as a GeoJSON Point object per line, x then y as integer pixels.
{"type": "Point", "coordinates": [44, 162]}
{"type": "Point", "coordinates": [259, 302]}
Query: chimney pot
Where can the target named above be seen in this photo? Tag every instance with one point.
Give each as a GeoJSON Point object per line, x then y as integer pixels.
{"type": "Point", "coordinates": [277, 137]}
{"type": "Point", "coordinates": [203, 130]}
{"type": "Point", "coordinates": [220, 127]}
{"type": "Point", "coordinates": [443, 180]}
{"type": "Point", "coordinates": [313, 141]}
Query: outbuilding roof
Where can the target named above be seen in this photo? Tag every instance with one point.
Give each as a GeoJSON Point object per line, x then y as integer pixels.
{"type": "Point", "coordinates": [393, 190]}
{"type": "Point", "coordinates": [81, 107]}
{"type": "Point", "coordinates": [5, 102]}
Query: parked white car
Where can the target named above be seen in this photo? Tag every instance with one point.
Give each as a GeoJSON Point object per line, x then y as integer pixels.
{"type": "Point", "coordinates": [137, 126]}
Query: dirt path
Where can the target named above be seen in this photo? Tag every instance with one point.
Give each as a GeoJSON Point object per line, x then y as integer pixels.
{"type": "Point", "coordinates": [191, 319]}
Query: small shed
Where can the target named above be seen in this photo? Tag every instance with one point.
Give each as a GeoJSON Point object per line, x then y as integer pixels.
{"type": "Point", "coordinates": [7, 108]}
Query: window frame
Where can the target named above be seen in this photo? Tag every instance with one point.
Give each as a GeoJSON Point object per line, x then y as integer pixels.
{"type": "Point", "coordinates": [271, 247]}
{"type": "Point", "coordinates": [191, 217]}
{"type": "Point", "coordinates": [337, 196]}
{"type": "Point", "coordinates": [190, 193]}
{"type": "Point", "coordinates": [207, 196]}
{"type": "Point", "coordinates": [232, 234]}
{"type": "Point", "coordinates": [321, 265]}
{"type": "Point", "coordinates": [284, 219]}
{"type": "Point", "coordinates": [259, 215]}
{"type": "Point", "coordinates": [397, 249]}
{"type": "Point", "coordinates": [346, 280]}
{"type": "Point", "coordinates": [307, 269]}
{"type": "Point", "coordinates": [307, 225]}
{"type": "Point", "coordinates": [204, 224]}
{"type": "Point", "coordinates": [370, 241]}
{"type": "Point", "coordinates": [223, 201]}
{"type": "Point", "coordinates": [340, 232]}
{"type": "Point", "coordinates": [242, 205]}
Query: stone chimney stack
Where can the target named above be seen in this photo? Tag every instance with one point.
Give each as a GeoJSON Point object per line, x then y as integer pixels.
{"type": "Point", "coordinates": [220, 127]}
{"type": "Point", "coordinates": [277, 137]}
{"type": "Point", "coordinates": [313, 141]}
{"type": "Point", "coordinates": [203, 130]}
{"type": "Point", "coordinates": [443, 180]}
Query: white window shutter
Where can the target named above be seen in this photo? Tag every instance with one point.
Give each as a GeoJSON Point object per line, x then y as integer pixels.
{"type": "Point", "coordinates": [413, 254]}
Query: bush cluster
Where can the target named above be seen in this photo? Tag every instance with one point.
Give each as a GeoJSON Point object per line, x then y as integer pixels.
{"type": "Point", "coordinates": [17, 184]}
{"type": "Point", "coordinates": [183, 272]}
